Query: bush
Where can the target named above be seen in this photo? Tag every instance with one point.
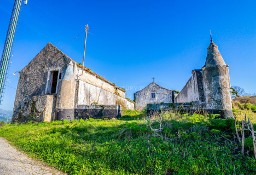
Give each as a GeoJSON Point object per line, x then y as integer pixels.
{"type": "Point", "coordinates": [247, 106]}
{"type": "Point", "coordinates": [222, 124]}
{"type": "Point", "coordinates": [215, 131]}
{"type": "Point", "coordinates": [196, 118]}
{"type": "Point", "coordinates": [253, 108]}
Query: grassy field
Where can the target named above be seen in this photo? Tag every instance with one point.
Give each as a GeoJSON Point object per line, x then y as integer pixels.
{"type": "Point", "coordinates": [187, 144]}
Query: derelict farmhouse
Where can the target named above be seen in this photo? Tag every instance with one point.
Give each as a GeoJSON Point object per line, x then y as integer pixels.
{"type": "Point", "coordinates": [54, 87]}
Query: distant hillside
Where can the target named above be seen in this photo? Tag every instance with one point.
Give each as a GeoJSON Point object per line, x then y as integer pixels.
{"type": "Point", "coordinates": [4, 114]}
{"type": "Point", "coordinates": [246, 99]}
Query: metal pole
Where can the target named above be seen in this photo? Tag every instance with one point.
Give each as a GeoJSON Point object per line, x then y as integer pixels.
{"type": "Point", "coordinates": [85, 40]}
{"type": "Point", "coordinates": [4, 63]}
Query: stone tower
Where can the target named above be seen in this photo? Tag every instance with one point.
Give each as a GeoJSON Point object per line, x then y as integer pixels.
{"type": "Point", "coordinates": [216, 82]}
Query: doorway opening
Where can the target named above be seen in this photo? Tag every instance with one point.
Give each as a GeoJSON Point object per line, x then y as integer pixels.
{"type": "Point", "coordinates": [54, 82]}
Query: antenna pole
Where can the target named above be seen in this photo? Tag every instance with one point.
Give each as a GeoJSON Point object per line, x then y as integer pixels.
{"type": "Point", "coordinates": [85, 40]}
{"type": "Point", "coordinates": [4, 62]}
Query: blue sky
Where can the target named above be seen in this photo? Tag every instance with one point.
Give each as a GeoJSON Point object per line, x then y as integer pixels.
{"type": "Point", "coordinates": [132, 41]}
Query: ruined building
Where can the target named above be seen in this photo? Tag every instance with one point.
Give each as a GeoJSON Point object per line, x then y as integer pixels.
{"type": "Point", "coordinates": [53, 86]}
{"type": "Point", "coordinates": [208, 88]}
{"type": "Point", "coordinates": [153, 94]}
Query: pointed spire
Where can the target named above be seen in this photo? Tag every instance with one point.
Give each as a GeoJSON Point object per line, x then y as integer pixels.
{"type": "Point", "coordinates": [214, 57]}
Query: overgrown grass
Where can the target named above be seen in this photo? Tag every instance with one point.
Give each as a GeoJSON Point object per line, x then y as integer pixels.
{"type": "Point", "coordinates": [187, 145]}
{"type": "Point", "coordinates": [242, 109]}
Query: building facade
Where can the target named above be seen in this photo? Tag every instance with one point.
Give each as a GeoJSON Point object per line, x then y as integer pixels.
{"type": "Point", "coordinates": [53, 86]}
{"type": "Point", "coordinates": [152, 94]}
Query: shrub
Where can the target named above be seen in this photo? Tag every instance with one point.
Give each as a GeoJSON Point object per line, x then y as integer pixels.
{"type": "Point", "coordinates": [253, 108]}
{"type": "Point", "coordinates": [196, 118]}
{"type": "Point", "coordinates": [248, 106]}
{"type": "Point", "coordinates": [222, 124]}
{"type": "Point", "coordinates": [215, 131]}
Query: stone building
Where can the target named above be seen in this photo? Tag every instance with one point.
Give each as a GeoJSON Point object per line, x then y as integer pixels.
{"type": "Point", "coordinates": [209, 87]}
{"type": "Point", "coordinates": [152, 94]}
{"type": "Point", "coordinates": [53, 86]}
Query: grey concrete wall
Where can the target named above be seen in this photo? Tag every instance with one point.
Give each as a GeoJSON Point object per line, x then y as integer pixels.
{"type": "Point", "coordinates": [143, 97]}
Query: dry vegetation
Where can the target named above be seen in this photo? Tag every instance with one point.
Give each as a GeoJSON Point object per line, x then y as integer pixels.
{"type": "Point", "coordinates": [245, 105]}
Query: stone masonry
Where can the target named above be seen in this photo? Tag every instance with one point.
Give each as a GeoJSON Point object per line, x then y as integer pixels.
{"type": "Point", "coordinates": [52, 86]}
{"type": "Point", "coordinates": [152, 94]}
{"type": "Point", "coordinates": [209, 87]}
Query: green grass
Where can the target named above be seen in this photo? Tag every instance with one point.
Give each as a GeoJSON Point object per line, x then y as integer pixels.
{"type": "Point", "coordinates": [187, 145]}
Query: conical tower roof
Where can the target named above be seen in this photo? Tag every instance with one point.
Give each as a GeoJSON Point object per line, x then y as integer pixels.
{"type": "Point", "coordinates": [214, 57]}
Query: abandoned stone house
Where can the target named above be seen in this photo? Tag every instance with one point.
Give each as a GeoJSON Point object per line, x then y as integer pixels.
{"type": "Point", "coordinates": [53, 86]}
{"type": "Point", "coordinates": [208, 88]}
{"type": "Point", "coordinates": [152, 94]}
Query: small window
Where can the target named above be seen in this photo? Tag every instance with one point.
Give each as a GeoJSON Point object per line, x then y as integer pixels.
{"type": "Point", "coordinates": [153, 95]}
{"type": "Point", "coordinates": [59, 75]}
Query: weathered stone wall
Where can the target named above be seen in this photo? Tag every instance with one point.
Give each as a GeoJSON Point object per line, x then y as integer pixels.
{"type": "Point", "coordinates": [38, 108]}
{"type": "Point", "coordinates": [34, 78]}
{"type": "Point", "coordinates": [95, 80]}
{"type": "Point", "coordinates": [143, 97]}
{"type": "Point", "coordinates": [76, 85]}
{"type": "Point", "coordinates": [217, 82]}
{"type": "Point", "coordinates": [94, 90]}
{"type": "Point", "coordinates": [193, 91]}
{"type": "Point", "coordinates": [190, 91]}
{"type": "Point", "coordinates": [125, 103]}
{"type": "Point", "coordinates": [89, 94]}
{"type": "Point", "coordinates": [210, 86]}
{"type": "Point", "coordinates": [217, 88]}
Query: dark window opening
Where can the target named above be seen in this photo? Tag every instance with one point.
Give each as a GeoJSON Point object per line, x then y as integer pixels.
{"type": "Point", "coordinates": [153, 95]}
{"type": "Point", "coordinates": [54, 77]}
{"type": "Point", "coordinates": [60, 76]}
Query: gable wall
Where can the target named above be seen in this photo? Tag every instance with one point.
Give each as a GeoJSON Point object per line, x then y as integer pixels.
{"type": "Point", "coordinates": [33, 78]}
{"type": "Point", "coordinates": [143, 97]}
{"type": "Point", "coordinates": [190, 92]}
